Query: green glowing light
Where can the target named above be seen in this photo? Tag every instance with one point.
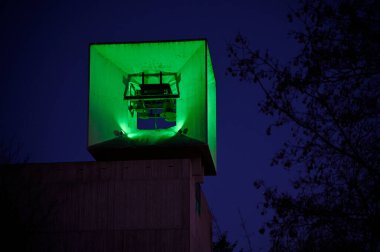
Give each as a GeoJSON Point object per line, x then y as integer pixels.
{"type": "Point", "coordinates": [195, 107]}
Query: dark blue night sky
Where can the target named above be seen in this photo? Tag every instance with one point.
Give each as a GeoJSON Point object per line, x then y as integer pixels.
{"type": "Point", "coordinates": [44, 84]}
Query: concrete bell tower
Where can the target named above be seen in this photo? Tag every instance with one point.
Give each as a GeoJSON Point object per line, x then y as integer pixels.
{"type": "Point", "coordinates": [152, 100]}
{"type": "Point", "coordinates": [152, 132]}
{"type": "Point", "coordinates": [152, 109]}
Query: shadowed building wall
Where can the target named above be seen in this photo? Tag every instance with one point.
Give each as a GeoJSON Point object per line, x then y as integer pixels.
{"type": "Point", "coordinates": [136, 205]}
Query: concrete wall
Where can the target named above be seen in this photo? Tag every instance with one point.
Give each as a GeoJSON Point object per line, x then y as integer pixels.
{"type": "Point", "coordinates": [145, 205]}
{"type": "Point", "coordinates": [201, 221]}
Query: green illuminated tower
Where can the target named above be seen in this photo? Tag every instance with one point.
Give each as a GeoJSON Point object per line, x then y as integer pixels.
{"type": "Point", "coordinates": [152, 100]}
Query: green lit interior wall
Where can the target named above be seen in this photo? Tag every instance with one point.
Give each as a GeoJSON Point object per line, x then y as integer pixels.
{"type": "Point", "coordinates": [192, 103]}
{"type": "Point", "coordinates": [107, 109]}
{"type": "Point", "coordinates": [211, 107]}
{"type": "Point", "coordinates": [196, 107]}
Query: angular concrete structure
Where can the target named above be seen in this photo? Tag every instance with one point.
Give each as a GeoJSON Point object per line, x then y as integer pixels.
{"type": "Point", "coordinates": [152, 132]}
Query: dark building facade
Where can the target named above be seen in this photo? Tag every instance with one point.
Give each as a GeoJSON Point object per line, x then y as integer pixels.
{"type": "Point", "coordinates": [134, 205]}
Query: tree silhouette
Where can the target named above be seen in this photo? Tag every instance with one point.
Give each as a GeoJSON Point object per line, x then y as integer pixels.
{"type": "Point", "coordinates": [328, 95]}
{"type": "Point", "coordinates": [23, 204]}
{"type": "Point", "coordinates": [223, 245]}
